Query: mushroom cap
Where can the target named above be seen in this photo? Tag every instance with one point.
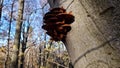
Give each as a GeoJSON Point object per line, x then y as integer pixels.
{"type": "Point", "coordinates": [67, 28]}
{"type": "Point", "coordinates": [48, 27]}
{"type": "Point", "coordinates": [63, 30]}
{"type": "Point", "coordinates": [52, 20]}
{"type": "Point", "coordinates": [57, 23]}
{"type": "Point", "coordinates": [51, 14]}
{"type": "Point", "coordinates": [68, 18]}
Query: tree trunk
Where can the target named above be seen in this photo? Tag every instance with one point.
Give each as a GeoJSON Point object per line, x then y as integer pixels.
{"type": "Point", "coordinates": [24, 42]}
{"type": "Point", "coordinates": [94, 40]}
{"type": "Point", "coordinates": [7, 65]}
{"type": "Point", "coordinates": [1, 5]}
{"type": "Point", "coordinates": [17, 35]}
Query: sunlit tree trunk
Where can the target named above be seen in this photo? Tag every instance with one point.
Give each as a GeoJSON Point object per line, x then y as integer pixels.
{"type": "Point", "coordinates": [17, 35]}
{"type": "Point", "coordinates": [94, 41]}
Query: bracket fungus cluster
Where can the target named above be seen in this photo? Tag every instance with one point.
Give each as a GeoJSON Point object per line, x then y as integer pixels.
{"type": "Point", "coordinates": [57, 23]}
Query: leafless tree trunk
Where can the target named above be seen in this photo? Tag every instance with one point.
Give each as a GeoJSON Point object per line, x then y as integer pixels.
{"type": "Point", "coordinates": [1, 5]}
{"type": "Point", "coordinates": [17, 35]}
{"type": "Point", "coordinates": [94, 40]}
{"type": "Point", "coordinates": [24, 41]}
{"type": "Point", "coordinates": [7, 65]}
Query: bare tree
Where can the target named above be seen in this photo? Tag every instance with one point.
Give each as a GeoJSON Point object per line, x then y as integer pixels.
{"type": "Point", "coordinates": [24, 40]}
{"type": "Point", "coordinates": [17, 35]}
{"type": "Point", "coordinates": [10, 21]}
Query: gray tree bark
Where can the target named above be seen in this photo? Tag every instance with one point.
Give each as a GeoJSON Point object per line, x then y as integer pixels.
{"type": "Point", "coordinates": [94, 41]}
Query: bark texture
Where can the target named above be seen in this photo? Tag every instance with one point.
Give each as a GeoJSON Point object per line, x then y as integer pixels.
{"type": "Point", "coordinates": [94, 41]}
{"type": "Point", "coordinates": [17, 36]}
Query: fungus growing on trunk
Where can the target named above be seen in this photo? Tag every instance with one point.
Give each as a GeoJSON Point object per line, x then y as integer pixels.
{"type": "Point", "coordinates": [57, 23]}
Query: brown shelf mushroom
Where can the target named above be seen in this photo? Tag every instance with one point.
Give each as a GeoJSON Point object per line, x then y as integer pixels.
{"type": "Point", "coordinates": [52, 20]}
{"type": "Point", "coordinates": [68, 18]}
{"type": "Point", "coordinates": [57, 23]}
